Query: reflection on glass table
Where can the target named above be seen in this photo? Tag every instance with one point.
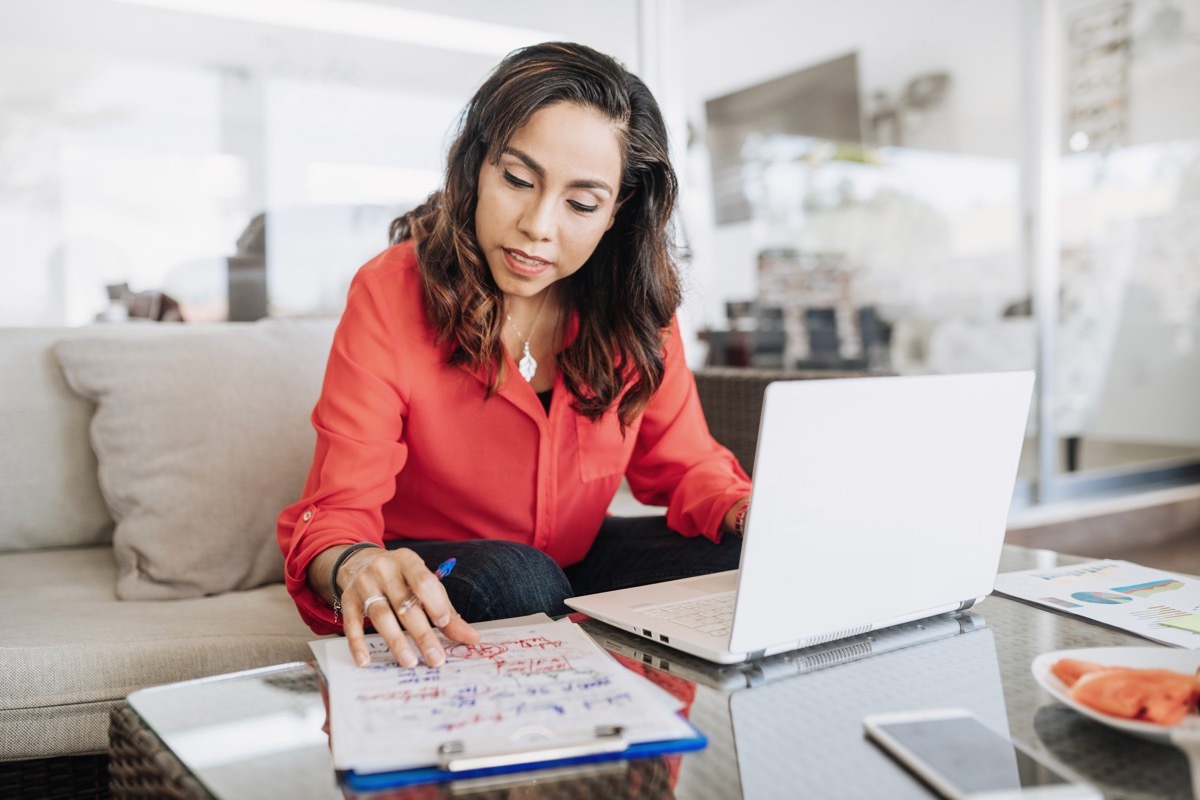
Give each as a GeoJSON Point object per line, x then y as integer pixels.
{"type": "Point", "coordinates": [786, 727]}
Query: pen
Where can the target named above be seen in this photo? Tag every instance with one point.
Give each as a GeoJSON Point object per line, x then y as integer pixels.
{"type": "Point", "coordinates": [441, 572]}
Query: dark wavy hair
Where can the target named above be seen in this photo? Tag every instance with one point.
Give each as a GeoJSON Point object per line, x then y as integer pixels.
{"type": "Point", "coordinates": [625, 295]}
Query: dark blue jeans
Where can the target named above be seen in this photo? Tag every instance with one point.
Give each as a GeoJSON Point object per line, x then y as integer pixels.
{"type": "Point", "coordinates": [498, 579]}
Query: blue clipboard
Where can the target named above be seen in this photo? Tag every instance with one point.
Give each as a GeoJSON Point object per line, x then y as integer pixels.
{"type": "Point", "coordinates": [457, 762]}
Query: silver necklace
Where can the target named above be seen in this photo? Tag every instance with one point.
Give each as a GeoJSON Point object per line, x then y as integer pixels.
{"type": "Point", "coordinates": [528, 365]}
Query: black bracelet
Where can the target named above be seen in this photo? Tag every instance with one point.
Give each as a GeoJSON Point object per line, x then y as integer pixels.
{"type": "Point", "coordinates": [342, 556]}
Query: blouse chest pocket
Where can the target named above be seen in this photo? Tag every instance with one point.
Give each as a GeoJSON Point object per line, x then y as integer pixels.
{"type": "Point", "coordinates": [603, 451]}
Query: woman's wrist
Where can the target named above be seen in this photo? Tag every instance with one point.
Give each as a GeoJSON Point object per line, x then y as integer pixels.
{"type": "Point", "coordinates": [735, 518]}
{"type": "Point", "coordinates": [739, 522]}
{"type": "Point", "coordinates": [330, 564]}
{"type": "Point", "coordinates": [342, 558]}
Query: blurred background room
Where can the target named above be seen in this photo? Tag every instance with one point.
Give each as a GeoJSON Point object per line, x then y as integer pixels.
{"type": "Point", "coordinates": [925, 186]}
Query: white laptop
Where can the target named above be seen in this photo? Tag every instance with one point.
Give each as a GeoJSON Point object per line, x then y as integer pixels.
{"type": "Point", "coordinates": [876, 501]}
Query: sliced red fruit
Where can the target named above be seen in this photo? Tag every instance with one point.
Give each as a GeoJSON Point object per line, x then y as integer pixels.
{"type": "Point", "coordinates": [1069, 670]}
{"type": "Point", "coordinates": [1149, 695]}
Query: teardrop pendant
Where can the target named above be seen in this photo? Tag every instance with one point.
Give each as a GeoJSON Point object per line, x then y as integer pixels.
{"type": "Point", "coordinates": [527, 365]}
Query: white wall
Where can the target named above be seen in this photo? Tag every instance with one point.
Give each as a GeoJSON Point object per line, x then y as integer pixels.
{"type": "Point", "coordinates": [729, 49]}
{"type": "Point", "coordinates": [977, 42]}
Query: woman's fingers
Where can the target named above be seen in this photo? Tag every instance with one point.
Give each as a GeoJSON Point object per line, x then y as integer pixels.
{"type": "Point", "coordinates": [459, 630]}
{"type": "Point", "coordinates": [431, 609]}
{"type": "Point", "coordinates": [398, 593]}
{"type": "Point", "coordinates": [388, 574]}
{"type": "Point", "coordinates": [352, 626]}
{"type": "Point", "coordinates": [417, 625]}
{"type": "Point", "coordinates": [428, 590]}
{"type": "Point", "coordinates": [387, 626]}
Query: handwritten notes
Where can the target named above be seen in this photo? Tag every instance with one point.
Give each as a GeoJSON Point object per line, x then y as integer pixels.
{"type": "Point", "coordinates": [545, 677]}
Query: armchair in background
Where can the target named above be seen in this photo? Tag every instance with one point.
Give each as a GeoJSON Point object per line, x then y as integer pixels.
{"type": "Point", "coordinates": [733, 398]}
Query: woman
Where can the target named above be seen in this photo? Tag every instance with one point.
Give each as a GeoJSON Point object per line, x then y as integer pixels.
{"type": "Point", "coordinates": [499, 368]}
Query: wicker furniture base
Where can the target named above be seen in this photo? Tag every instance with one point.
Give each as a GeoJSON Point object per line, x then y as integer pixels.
{"type": "Point", "coordinates": [141, 767]}
{"type": "Point", "coordinates": [60, 778]}
{"type": "Point", "coordinates": [732, 398]}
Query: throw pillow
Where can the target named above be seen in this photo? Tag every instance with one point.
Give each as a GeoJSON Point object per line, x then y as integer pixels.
{"type": "Point", "coordinates": [201, 439]}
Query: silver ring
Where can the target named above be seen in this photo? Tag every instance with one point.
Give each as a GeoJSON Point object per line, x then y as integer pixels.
{"type": "Point", "coordinates": [404, 607]}
{"type": "Point", "coordinates": [375, 598]}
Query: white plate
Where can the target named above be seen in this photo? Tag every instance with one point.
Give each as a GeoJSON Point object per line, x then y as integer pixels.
{"type": "Point", "coordinates": [1185, 661]}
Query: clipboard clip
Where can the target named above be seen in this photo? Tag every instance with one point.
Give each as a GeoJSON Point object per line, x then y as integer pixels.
{"type": "Point", "coordinates": [530, 745]}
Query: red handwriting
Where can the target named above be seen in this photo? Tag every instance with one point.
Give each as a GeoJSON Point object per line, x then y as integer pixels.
{"type": "Point", "coordinates": [481, 650]}
{"type": "Point", "coordinates": [538, 642]}
{"type": "Point", "coordinates": [405, 695]}
{"type": "Point", "coordinates": [475, 719]}
{"type": "Point", "coordinates": [531, 666]}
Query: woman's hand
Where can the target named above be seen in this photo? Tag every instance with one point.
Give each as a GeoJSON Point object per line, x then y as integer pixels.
{"type": "Point", "coordinates": [397, 576]}
{"type": "Point", "coordinates": [735, 517]}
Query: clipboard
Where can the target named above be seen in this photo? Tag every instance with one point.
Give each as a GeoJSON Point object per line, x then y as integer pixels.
{"type": "Point", "coordinates": [502, 706]}
{"type": "Point", "coordinates": [538, 749]}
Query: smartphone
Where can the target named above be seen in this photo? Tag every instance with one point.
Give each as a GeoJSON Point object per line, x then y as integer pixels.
{"type": "Point", "coordinates": [962, 759]}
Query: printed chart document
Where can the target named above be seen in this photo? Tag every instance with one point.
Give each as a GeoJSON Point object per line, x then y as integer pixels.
{"type": "Point", "coordinates": [1148, 602]}
{"type": "Point", "coordinates": [530, 684]}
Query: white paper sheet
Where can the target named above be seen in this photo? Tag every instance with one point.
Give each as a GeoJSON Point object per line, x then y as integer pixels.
{"type": "Point", "coordinates": [1158, 605]}
{"type": "Point", "coordinates": [531, 678]}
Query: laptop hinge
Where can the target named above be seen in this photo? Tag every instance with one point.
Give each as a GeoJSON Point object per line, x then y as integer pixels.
{"type": "Point", "coordinates": [964, 605]}
{"type": "Point", "coordinates": [756, 654]}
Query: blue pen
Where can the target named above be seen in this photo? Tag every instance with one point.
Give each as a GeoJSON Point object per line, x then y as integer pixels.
{"type": "Point", "coordinates": [442, 571]}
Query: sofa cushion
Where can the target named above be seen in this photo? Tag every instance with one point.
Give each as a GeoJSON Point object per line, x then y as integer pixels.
{"type": "Point", "coordinates": [70, 654]}
{"type": "Point", "coordinates": [201, 438]}
{"type": "Point", "coordinates": [48, 491]}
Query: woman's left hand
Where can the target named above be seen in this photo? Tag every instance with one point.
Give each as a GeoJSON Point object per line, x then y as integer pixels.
{"type": "Point", "coordinates": [735, 517]}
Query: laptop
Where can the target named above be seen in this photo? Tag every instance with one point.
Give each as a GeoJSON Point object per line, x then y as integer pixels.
{"type": "Point", "coordinates": [876, 501]}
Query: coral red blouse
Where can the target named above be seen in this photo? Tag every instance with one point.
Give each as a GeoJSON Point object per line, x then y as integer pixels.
{"type": "Point", "coordinates": [410, 448]}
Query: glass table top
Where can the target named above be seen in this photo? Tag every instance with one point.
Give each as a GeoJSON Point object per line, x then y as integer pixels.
{"type": "Point", "coordinates": [789, 727]}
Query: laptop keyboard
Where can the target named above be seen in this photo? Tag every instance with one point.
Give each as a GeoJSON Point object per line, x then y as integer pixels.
{"type": "Point", "coordinates": [711, 615]}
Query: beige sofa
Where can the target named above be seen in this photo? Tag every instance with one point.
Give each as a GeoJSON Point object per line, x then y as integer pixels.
{"type": "Point", "coordinates": [141, 470]}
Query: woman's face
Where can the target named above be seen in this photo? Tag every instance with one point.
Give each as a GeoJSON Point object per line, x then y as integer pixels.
{"type": "Point", "coordinates": [545, 204]}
